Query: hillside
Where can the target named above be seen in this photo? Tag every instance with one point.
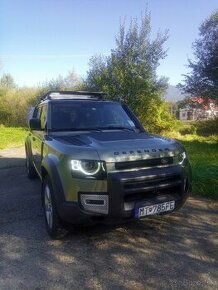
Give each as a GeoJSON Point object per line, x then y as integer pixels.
{"type": "Point", "coordinates": [173, 94]}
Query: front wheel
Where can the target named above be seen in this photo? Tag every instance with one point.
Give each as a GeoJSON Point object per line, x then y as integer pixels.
{"type": "Point", "coordinates": [52, 220]}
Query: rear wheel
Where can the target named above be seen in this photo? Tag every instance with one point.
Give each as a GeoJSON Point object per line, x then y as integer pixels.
{"type": "Point", "coordinates": [52, 220]}
{"type": "Point", "coordinates": [31, 171]}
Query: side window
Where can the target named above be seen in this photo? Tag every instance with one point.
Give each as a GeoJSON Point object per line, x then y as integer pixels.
{"type": "Point", "coordinates": [30, 113]}
{"type": "Point", "coordinates": [36, 112]}
{"type": "Point", "coordinates": [43, 116]}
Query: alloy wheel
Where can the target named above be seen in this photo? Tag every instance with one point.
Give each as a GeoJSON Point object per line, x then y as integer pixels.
{"type": "Point", "coordinates": [48, 206]}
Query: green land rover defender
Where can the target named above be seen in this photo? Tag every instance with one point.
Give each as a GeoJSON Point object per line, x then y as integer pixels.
{"type": "Point", "coordinates": [98, 164]}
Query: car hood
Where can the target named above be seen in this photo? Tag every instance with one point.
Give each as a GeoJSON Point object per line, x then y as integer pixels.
{"type": "Point", "coordinates": [119, 145]}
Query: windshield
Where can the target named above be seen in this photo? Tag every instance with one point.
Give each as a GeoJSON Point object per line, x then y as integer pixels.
{"type": "Point", "coordinates": [90, 115]}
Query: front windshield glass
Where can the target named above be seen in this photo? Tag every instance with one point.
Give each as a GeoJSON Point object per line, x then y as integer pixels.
{"type": "Point", "coordinates": [89, 115]}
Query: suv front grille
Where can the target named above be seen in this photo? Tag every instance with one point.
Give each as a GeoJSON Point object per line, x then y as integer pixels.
{"type": "Point", "coordinates": [152, 186]}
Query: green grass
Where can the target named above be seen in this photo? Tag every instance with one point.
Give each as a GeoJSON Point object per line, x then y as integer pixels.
{"type": "Point", "coordinates": [204, 161]}
{"type": "Point", "coordinates": [12, 137]}
{"type": "Point", "coordinates": [203, 155]}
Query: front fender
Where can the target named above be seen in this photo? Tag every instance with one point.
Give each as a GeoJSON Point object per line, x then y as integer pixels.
{"type": "Point", "coordinates": [49, 167]}
{"type": "Point", "coordinates": [28, 146]}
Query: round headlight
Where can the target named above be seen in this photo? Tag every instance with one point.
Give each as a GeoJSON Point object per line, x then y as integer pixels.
{"type": "Point", "coordinates": [90, 167]}
{"type": "Point", "coordinates": [87, 167]}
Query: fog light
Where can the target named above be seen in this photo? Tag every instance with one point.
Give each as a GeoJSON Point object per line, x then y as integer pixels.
{"type": "Point", "coordinates": [95, 202]}
{"type": "Point", "coordinates": [129, 205]}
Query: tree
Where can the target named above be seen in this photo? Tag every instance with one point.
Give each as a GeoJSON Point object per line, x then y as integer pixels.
{"type": "Point", "coordinates": [203, 78]}
{"type": "Point", "coordinates": [71, 82]}
{"type": "Point", "coordinates": [128, 74]}
{"type": "Point", "coordinates": [7, 82]}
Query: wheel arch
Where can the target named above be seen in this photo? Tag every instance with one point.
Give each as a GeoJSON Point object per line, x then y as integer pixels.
{"type": "Point", "coordinates": [49, 168]}
{"type": "Point", "coordinates": [27, 145]}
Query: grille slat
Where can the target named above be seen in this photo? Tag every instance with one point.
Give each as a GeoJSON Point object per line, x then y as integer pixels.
{"type": "Point", "coordinates": [152, 186]}
{"type": "Point", "coordinates": [142, 188]}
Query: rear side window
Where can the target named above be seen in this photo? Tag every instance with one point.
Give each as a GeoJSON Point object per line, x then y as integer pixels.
{"type": "Point", "coordinates": [36, 113]}
{"type": "Point", "coordinates": [43, 116]}
{"type": "Point", "coordinates": [41, 113]}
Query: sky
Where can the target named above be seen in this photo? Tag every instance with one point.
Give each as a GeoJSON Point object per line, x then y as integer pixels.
{"type": "Point", "coordinates": [40, 39]}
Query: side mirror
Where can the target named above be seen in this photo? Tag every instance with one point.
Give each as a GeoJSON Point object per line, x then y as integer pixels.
{"type": "Point", "coordinates": [35, 124]}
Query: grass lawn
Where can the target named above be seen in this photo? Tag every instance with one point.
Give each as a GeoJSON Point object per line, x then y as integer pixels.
{"type": "Point", "coordinates": [204, 161]}
{"type": "Point", "coordinates": [12, 137]}
{"type": "Point", "coordinates": [203, 155]}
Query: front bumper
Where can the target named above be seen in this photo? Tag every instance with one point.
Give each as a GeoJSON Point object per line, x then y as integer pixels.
{"type": "Point", "coordinates": [128, 190]}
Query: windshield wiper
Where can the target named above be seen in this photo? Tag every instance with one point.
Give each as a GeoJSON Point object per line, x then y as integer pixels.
{"type": "Point", "coordinates": [117, 128]}
{"type": "Point", "coordinates": [99, 129]}
{"type": "Point", "coordinates": [76, 129]}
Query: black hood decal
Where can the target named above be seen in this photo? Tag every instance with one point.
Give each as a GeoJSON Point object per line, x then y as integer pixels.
{"type": "Point", "coordinates": [73, 140]}
{"type": "Point", "coordinates": [117, 136]}
{"type": "Point", "coordinates": [86, 139]}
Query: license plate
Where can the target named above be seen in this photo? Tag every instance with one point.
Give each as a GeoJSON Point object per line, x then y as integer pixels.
{"type": "Point", "coordinates": [154, 209]}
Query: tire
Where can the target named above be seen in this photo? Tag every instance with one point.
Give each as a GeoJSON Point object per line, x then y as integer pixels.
{"type": "Point", "coordinates": [31, 171]}
{"type": "Point", "coordinates": [53, 222]}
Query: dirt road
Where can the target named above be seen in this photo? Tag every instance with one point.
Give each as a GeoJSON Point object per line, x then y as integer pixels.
{"type": "Point", "coordinates": [178, 251]}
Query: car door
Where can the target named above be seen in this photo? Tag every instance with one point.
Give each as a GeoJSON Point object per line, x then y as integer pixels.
{"type": "Point", "coordinates": [38, 137]}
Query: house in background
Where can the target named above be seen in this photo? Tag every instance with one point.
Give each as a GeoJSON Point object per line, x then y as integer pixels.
{"type": "Point", "coordinates": [185, 114]}
{"type": "Point", "coordinates": [198, 108]}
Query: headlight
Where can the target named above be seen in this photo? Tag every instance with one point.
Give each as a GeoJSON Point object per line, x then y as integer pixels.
{"type": "Point", "coordinates": [87, 168]}
{"type": "Point", "coordinates": [182, 157]}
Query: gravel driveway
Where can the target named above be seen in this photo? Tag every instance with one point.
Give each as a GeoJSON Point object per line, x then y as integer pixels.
{"type": "Point", "coordinates": [177, 251]}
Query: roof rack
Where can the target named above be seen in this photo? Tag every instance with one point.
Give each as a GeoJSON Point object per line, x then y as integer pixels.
{"type": "Point", "coordinates": [60, 95]}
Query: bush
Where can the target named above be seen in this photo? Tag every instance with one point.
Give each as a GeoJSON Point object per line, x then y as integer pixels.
{"type": "Point", "coordinates": [190, 129]}
{"type": "Point", "coordinates": [14, 104]}
{"type": "Point", "coordinates": [208, 127]}
{"type": "Point", "coordinates": [200, 128]}
{"type": "Point", "coordinates": [155, 116]}
{"type": "Point", "coordinates": [15, 101]}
